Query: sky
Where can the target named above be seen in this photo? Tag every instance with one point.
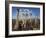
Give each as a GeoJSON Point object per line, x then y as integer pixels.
{"type": "Point", "coordinates": [35, 11]}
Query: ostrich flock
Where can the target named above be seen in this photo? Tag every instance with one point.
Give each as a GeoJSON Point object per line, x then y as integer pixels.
{"type": "Point", "coordinates": [25, 21]}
